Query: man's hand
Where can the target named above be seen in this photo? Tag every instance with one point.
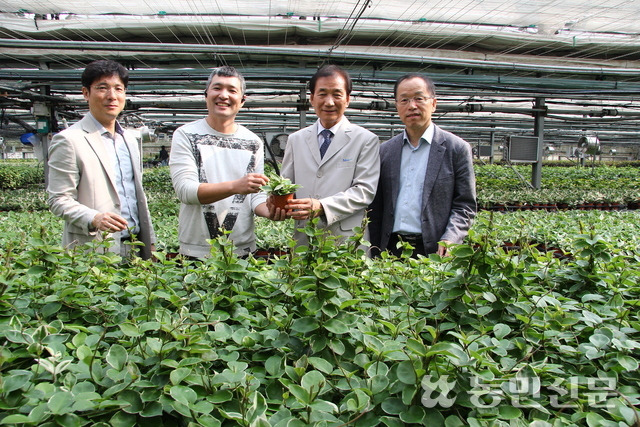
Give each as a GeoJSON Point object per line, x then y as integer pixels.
{"type": "Point", "coordinates": [300, 209]}
{"type": "Point", "coordinates": [442, 249]}
{"type": "Point", "coordinates": [250, 183]}
{"type": "Point", "coordinates": [275, 214]}
{"type": "Point", "coordinates": [110, 222]}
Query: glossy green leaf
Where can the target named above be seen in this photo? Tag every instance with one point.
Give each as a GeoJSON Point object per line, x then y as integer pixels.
{"type": "Point", "coordinates": [15, 380]}
{"type": "Point", "coordinates": [337, 346]}
{"type": "Point", "coordinates": [305, 324]}
{"type": "Point", "coordinates": [300, 393]}
{"type": "Point", "coordinates": [151, 409]}
{"type": "Point", "coordinates": [220, 396]}
{"type": "Point", "coordinates": [628, 363]}
{"type": "Point", "coordinates": [85, 401]}
{"type": "Point", "coordinates": [183, 394]}
{"type": "Point", "coordinates": [393, 406]}
{"type": "Point", "coordinates": [258, 407]}
{"type": "Point", "coordinates": [318, 342]}
{"type": "Point", "coordinates": [122, 419]}
{"type": "Point", "coordinates": [509, 412]}
{"type": "Point", "coordinates": [313, 381]}
{"type": "Point", "coordinates": [414, 415]}
{"type": "Point", "coordinates": [117, 357]}
{"type": "Point", "coordinates": [594, 419]}
{"type": "Point", "coordinates": [37, 269]}
{"type": "Point", "coordinates": [60, 403]}
{"type": "Point", "coordinates": [336, 326]}
{"type": "Point", "coordinates": [453, 421]}
{"type": "Point", "coordinates": [202, 407]}
{"type": "Point", "coordinates": [51, 309]}
{"type": "Point", "coordinates": [130, 330]}
{"type": "Point", "coordinates": [69, 420]}
{"type": "Point", "coordinates": [149, 326]}
{"type": "Point", "coordinates": [377, 368]}
{"type": "Point", "coordinates": [392, 421]}
{"type": "Point", "coordinates": [275, 365]}
{"type": "Point", "coordinates": [379, 383]}
{"type": "Point", "coordinates": [416, 347]}
{"type": "Point", "coordinates": [181, 408]}
{"type": "Point", "coordinates": [406, 372]}
{"type": "Point", "coordinates": [500, 330]}
{"type": "Point", "coordinates": [433, 418]}
{"type": "Point", "coordinates": [15, 419]}
{"type": "Point", "coordinates": [321, 364]}
{"type": "Point", "coordinates": [599, 340]}
{"type": "Point", "coordinates": [177, 375]}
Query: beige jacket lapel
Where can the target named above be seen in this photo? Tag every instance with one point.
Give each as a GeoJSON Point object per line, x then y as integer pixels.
{"type": "Point", "coordinates": [94, 139]}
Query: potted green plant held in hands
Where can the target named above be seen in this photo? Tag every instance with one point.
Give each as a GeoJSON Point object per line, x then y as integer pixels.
{"type": "Point", "coordinates": [280, 189]}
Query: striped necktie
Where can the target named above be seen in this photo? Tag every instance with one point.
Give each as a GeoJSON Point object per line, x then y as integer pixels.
{"type": "Point", "coordinates": [327, 135]}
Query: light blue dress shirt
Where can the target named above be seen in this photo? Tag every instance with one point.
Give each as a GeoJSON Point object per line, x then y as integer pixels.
{"type": "Point", "coordinates": [333, 130]}
{"type": "Point", "coordinates": [120, 157]}
{"type": "Point", "coordinates": [413, 167]}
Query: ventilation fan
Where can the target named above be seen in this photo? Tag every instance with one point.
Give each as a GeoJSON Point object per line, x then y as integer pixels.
{"type": "Point", "coordinates": [146, 134]}
{"type": "Point", "coordinates": [278, 144]}
{"type": "Point", "coordinates": [589, 145]}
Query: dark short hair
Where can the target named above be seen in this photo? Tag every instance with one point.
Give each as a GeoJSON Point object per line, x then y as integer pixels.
{"type": "Point", "coordinates": [430, 86]}
{"type": "Point", "coordinates": [226, 71]}
{"type": "Point", "coordinates": [328, 71]}
{"type": "Point", "coordinates": [102, 68]}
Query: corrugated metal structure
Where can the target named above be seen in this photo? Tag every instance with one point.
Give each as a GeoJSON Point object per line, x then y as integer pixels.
{"type": "Point", "coordinates": [499, 66]}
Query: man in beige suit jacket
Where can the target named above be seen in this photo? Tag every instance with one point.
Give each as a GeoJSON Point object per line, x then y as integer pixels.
{"type": "Point", "coordinates": [338, 172]}
{"type": "Point", "coordinates": [95, 181]}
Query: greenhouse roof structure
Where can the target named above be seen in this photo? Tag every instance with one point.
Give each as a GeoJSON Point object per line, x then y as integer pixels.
{"type": "Point", "coordinates": [498, 65]}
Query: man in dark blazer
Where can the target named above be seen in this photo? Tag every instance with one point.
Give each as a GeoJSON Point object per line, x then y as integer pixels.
{"type": "Point", "coordinates": [95, 180]}
{"type": "Point", "coordinates": [426, 194]}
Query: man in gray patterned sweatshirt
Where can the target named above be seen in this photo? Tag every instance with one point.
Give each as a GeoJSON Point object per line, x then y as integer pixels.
{"type": "Point", "coordinates": [217, 169]}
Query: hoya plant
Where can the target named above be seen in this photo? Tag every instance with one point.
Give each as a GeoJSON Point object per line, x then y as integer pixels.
{"type": "Point", "coordinates": [279, 186]}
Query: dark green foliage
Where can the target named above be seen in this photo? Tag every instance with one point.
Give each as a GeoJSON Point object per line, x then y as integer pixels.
{"type": "Point", "coordinates": [321, 336]}
{"type": "Point", "coordinates": [324, 335]}
{"type": "Point", "coordinates": [157, 179]}
{"type": "Point", "coordinates": [561, 187]}
{"type": "Point", "coordinates": [24, 199]}
{"type": "Point", "coordinates": [18, 174]}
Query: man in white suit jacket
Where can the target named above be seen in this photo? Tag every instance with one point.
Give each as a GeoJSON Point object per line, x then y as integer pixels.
{"type": "Point", "coordinates": [340, 184]}
{"type": "Point", "coordinates": [95, 181]}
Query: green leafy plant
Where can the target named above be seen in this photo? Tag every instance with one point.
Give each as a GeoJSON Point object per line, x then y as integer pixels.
{"type": "Point", "coordinates": [279, 186]}
{"type": "Point", "coordinates": [324, 335]}
{"type": "Point", "coordinates": [20, 174]}
{"type": "Point", "coordinates": [157, 179]}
